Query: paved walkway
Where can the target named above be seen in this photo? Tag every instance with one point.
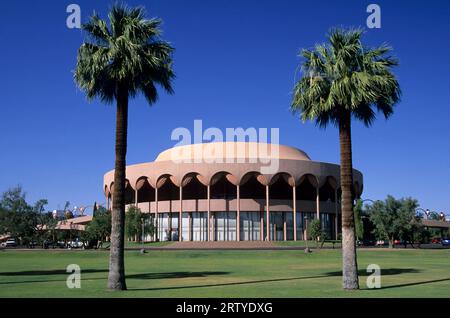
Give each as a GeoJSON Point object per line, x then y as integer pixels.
{"type": "Point", "coordinates": [222, 245]}
{"type": "Point", "coordinates": [213, 245]}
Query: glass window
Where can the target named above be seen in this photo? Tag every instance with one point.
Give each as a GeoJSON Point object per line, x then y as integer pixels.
{"type": "Point", "coordinates": [299, 220]}
{"type": "Point", "coordinates": [326, 223]}
{"type": "Point", "coordinates": [225, 226]}
{"type": "Point", "coordinates": [250, 223]}
{"type": "Point", "coordinates": [199, 226]}
{"type": "Point", "coordinates": [185, 227]}
{"type": "Point", "coordinates": [276, 226]}
{"type": "Point", "coordinates": [289, 225]}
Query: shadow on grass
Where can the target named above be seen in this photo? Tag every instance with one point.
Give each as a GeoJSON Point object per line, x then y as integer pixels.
{"type": "Point", "coordinates": [44, 273]}
{"type": "Point", "coordinates": [416, 283]}
{"type": "Point", "coordinates": [172, 275]}
{"type": "Point", "coordinates": [49, 272]}
{"type": "Point", "coordinates": [230, 284]}
{"type": "Point", "coordinates": [395, 271]}
{"type": "Point", "coordinates": [384, 272]}
{"type": "Point", "coordinates": [389, 271]}
{"type": "Point", "coordinates": [168, 275]}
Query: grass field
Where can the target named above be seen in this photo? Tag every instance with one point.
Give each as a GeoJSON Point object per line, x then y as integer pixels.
{"type": "Point", "coordinates": [405, 273]}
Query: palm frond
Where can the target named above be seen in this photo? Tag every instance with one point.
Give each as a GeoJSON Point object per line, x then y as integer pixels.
{"type": "Point", "coordinates": [344, 75]}
{"type": "Point", "coordinates": [127, 50]}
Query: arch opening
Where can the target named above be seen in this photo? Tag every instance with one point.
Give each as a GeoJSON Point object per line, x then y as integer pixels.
{"type": "Point", "coordinates": [145, 192]}
{"type": "Point", "coordinates": [327, 193]}
{"type": "Point", "coordinates": [129, 193]}
{"type": "Point", "coordinates": [168, 190]}
{"type": "Point", "coordinates": [306, 190]}
{"type": "Point", "coordinates": [252, 188]}
{"type": "Point", "coordinates": [194, 189]}
{"type": "Point", "coordinates": [280, 188]}
{"type": "Point", "coordinates": [222, 188]}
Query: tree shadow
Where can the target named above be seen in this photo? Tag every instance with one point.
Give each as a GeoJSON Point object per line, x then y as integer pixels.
{"type": "Point", "coordinates": [384, 271]}
{"type": "Point", "coordinates": [49, 272]}
{"type": "Point", "coordinates": [395, 271]}
{"type": "Point", "coordinates": [230, 283]}
{"type": "Point", "coordinates": [185, 274]}
{"type": "Point", "coordinates": [174, 275]}
{"type": "Point", "coordinates": [167, 275]}
{"type": "Point", "coordinates": [416, 283]}
{"type": "Point", "coordinates": [44, 273]}
{"type": "Point", "coordinates": [388, 271]}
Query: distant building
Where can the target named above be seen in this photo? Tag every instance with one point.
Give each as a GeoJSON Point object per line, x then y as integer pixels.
{"type": "Point", "coordinates": [77, 223]}
{"type": "Point", "coordinates": [58, 214]}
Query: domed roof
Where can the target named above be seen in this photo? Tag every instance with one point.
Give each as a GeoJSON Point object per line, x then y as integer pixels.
{"type": "Point", "coordinates": [231, 150]}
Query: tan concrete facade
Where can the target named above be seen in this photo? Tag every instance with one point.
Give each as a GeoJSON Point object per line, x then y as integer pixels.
{"type": "Point", "coordinates": [219, 178]}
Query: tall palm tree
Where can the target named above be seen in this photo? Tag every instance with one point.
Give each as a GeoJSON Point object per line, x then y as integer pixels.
{"type": "Point", "coordinates": [342, 80]}
{"type": "Point", "coordinates": [116, 62]}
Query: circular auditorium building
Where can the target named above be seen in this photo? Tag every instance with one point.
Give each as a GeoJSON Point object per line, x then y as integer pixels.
{"type": "Point", "coordinates": [227, 191]}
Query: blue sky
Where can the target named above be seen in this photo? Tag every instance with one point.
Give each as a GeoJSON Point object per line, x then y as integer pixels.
{"type": "Point", "coordinates": [235, 63]}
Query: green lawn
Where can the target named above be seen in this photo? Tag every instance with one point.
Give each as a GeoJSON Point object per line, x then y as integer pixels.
{"type": "Point", "coordinates": [292, 273]}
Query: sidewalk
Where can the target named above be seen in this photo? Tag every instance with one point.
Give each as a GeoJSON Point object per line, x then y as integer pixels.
{"type": "Point", "coordinates": [221, 245]}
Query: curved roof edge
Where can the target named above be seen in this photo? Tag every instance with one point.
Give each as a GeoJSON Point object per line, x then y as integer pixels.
{"type": "Point", "coordinates": [231, 150]}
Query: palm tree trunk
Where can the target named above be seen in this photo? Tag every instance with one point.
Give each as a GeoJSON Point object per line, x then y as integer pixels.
{"type": "Point", "coordinates": [349, 262]}
{"type": "Point", "coordinates": [116, 277]}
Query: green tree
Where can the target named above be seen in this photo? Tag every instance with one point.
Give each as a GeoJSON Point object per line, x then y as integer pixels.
{"type": "Point", "coordinates": [50, 225]}
{"type": "Point", "coordinates": [342, 80]}
{"type": "Point", "coordinates": [117, 62]}
{"type": "Point", "coordinates": [419, 233]}
{"type": "Point", "coordinates": [434, 216]}
{"type": "Point", "coordinates": [16, 214]}
{"type": "Point", "coordinates": [358, 214]}
{"type": "Point", "coordinates": [21, 220]}
{"type": "Point", "coordinates": [3, 220]}
{"type": "Point", "coordinates": [134, 220]}
{"type": "Point", "coordinates": [100, 226]}
{"type": "Point", "coordinates": [315, 231]}
{"type": "Point", "coordinates": [133, 223]}
{"type": "Point", "coordinates": [392, 218]}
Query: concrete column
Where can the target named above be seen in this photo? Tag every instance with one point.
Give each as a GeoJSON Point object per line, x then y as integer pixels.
{"type": "Point", "coordinates": [284, 227]}
{"type": "Point", "coordinates": [136, 197]}
{"type": "Point", "coordinates": [294, 211]}
{"type": "Point", "coordinates": [208, 236]}
{"type": "Point", "coordinates": [336, 210]}
{"type": "Point", "coordinates": [267, 214]}
{"type": "Point", "coordinates": [152, 217]}
{"type": "Point", "coordinates": [189, 226]}
{"type": "Point", "coordinates": [213, 226]}
{"type": "Point", "coordinates": [156, 213]}
{"type": "Point", "coordinates": [238, 214]}
{"type": "Point", "coordinates": [317, 203]}
{"type": "Point", "coordinates": [180, 216]}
